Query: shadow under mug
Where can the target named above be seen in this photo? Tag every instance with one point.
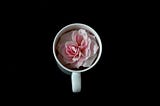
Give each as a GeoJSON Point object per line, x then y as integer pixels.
{"type": "Point", "coordinates": [76, 74]}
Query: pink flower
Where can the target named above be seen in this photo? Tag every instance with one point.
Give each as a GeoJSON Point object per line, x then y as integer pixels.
{"type": "Point", "coordinates": [77, 48]}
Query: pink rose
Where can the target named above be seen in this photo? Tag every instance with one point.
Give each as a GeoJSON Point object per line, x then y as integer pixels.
{"type": "Point", "coordinates": [77, 48]}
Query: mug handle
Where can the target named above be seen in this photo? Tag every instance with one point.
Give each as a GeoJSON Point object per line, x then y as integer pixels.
{"type": "Point", "coordinates": [76, 81]}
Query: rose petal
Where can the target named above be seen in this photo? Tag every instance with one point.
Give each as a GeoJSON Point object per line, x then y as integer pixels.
{"type": "Point", "coordinates": [67, 36]}
{"type": "Point", "coordinates": [83, 33]}
{"type": "Point", "coordinates": [63, 39]}
{"type": "Point", "coordinates": [79, 36]}
{"type": "Point", "coordinates": [86, 52]}
{"type": "Point", "coordinates": [70, 55]}
{"type": "Point", "coordinates": [74, 34]}
{"type": "Point", "coordinates": [79, 39]}
{"type": "Point", "coordinates": [77, 64]}
{"type": "Point", "coordinates": [83, 44]}
{"type": "Point", "coordinates": [71, 48]}
{"type": "Point", "coordinates": [89, 61]}
{"type": "Point", "coordinates": [60, 58]}
{"type": "Point", "coordinates": [61, 47]}
{"type": "Point", "coordinates": [92, 37]}
{"type": "Point", "coordinates": [77, 57]}
{"type": "Point", "coordinates": [66, 58]}
{"type": "Point", "coordinates": [94, 47]}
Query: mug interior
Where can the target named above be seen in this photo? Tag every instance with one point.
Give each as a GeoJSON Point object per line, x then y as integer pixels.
{"type": "Point", "coordinates": [74, 27]}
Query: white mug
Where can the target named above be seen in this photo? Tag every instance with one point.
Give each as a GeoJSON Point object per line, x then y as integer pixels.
{"type": "Point", "coordinates": [76, 74]}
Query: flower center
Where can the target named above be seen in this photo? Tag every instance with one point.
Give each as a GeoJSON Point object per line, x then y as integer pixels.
{"type": "Point", "coordinates": [74, 49]}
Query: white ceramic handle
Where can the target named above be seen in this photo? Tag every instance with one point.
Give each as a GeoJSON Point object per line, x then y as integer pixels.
{"type": "Point", "coordinates": [76, 82]}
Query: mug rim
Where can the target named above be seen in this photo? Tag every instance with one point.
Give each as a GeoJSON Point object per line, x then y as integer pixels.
{"type": "Point", "coordinates": [97, 38]}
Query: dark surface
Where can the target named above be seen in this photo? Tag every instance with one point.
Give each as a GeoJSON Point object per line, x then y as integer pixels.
{"type": "Point", "coordinates": [31, 69]}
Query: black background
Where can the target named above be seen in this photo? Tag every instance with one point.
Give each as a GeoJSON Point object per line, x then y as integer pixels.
{"type": "Point", "coordinates": [32, 73]}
